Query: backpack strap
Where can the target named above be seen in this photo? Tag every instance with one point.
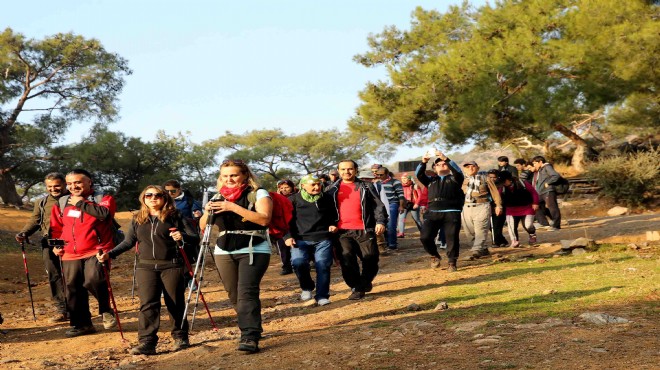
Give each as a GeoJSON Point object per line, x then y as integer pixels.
{"type": "Point", "coordinates": [62, 203]}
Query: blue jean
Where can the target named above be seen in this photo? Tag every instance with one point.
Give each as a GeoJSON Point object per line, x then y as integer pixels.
{"type": "Point", "coordinates": [391, 225]}
{"type": "Point", "coordinates": [415, 216]}
{"type": "Point", "coordinates": [322, 262]}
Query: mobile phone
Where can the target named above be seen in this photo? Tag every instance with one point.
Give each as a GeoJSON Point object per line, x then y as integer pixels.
{"type": "Point", "coordinates": [56, 242]}
{"type": "Point", "coordinates": [431, 152]}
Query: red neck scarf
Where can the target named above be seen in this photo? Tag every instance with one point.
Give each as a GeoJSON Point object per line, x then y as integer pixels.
{"type": "Point", "coordinates": [232, 194]}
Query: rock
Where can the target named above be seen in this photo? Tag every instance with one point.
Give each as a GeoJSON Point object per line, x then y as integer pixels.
{"type": "Point", "coordinates": [617, 211]}
{"type": "Point", "coordinates": [469, 326]}
{"type": "Point", "coordinates": [578, 251]}
{"type": "Point", "coordinates": [413, 307]}
{"type": "Point", "coordinates": [549, 291]}
{"type": "Point", "coordinates": [652, 236]}
{"type": "Point", "coordinates": [566, 244]}
{"type": "Point", "coordinates": [541, 260]}
{"type": "Point", "coordinates": [441, 306]}
{"type": "Point", "coordinates": [633, 246]}
{"type": "Point", "coordinates": [583, 243]}
{"type": "Point", "coordinates": [599, 350]}
{"type": "Point", "coordinates": [631, 269]}
{"type": "Point", "coordinates": [602, 318]}
{"type": "Point", "coordinates": [449, 345]}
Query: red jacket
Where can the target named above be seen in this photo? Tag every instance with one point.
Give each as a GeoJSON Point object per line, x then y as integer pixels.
{"type": "Point", "coordinates": [85, 227]}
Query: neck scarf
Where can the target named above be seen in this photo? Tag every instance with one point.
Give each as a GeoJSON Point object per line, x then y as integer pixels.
{"type": "Point", "coordinates": [232, 194]}
{"type": "Point", "coordinates": [309, 197]}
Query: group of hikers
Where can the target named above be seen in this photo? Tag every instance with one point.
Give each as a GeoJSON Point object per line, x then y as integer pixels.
{"type": "Point", "coordinates": [338, 216]}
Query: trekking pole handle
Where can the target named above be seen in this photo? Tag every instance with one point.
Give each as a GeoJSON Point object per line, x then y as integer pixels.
{"type": "Point", "coordinates": [178, 242]}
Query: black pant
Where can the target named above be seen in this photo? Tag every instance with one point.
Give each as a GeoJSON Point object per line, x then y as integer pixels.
{"type": "Point", "coordinates": [548, 203]}
{"type": "Point", "coordinates": [54, 273]}
{"type": "Point", "coordinates": [285, 254]}
{"type": "Point", "coordinates": [450, 222]}
{"type": "Point", "coordinates": [241, 281]}
{"type": "Point", "coordinates": [151, 283]}
{"type": "Point", "coordinates": [498, 226]}
{"type": "Point", "coordinates": [82, 277]}
{"type": "Point", "coordinates": [354, 244]}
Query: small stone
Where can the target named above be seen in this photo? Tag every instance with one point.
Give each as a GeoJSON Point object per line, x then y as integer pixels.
{"type": "Point", "coordinates": [633, 246]}
{"type": "Point", "coordinates": [583, 242]}
{"type": "Point", "coordinates": [441, 306]}
{"type": "Point", "coordinates": [477, 336]}
{"type": "Point", "coordinates": [549, 291]}
{"type": "Point", "coordinates": [599, 350]}
{"type": "Point", "coordinates": [631, 269]}
{"type": "Point", "coordinates": [578, 251]}
{"type": "Point", "coordinates": [566, 244]}
{"type": "Point", "coordinates": [486, 341]}
{"type": "Point", "coordinates": [541, 260]}
{"type": "Point", "coordinates": [413, 307]}
{"type": "Point", "coordinates": [602, 318]}
{"type": "Point", "coordinates": [617, 211]}
{"type": "Point", "coordinates": [449, 345]}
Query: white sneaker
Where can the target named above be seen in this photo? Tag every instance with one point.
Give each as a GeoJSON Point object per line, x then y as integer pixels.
{"type": "Point", "coordinates": [442, 245]}
{"type": "Point", "coordinates": [306, 295]}
{"type": "Point", "coordinates": [323, 302]}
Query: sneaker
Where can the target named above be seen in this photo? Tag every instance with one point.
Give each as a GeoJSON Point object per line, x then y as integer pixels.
{"type": "Point", "coordinates": [437, 242]}
{"type": "Point", "coordinates": [435, 262]}
{"type": "Point", "coordinates": [475, 255]}
{"type": "Point", "coordinates": [109, 320]}
{"type": "Point", "coordinates": [286, 271]}
{"type": "Point", "coordinates": [532, 239]}
{"type": "Point", "coordinates": [180, 344]}
{"type": "Point", "coordinates": [515, 244]}
{"type": "Point", "coordinates": [61, 317]}
{"type": "Point", "coordinates": [400, 235]}
{"type": "Point", "coordinates": [552, 228]}
{"type": "Point", "coordinates": [442, 245]}
{"type": "Point", "coordinates": [192, 286]}
{"type": "Point", "coordinates": [356, 295]}
{"type": "Point", "coordinates": [306, 295]}
{"type": "Point", "coordinates": [323, 302]}
{"type": "Point", "coordinates": [77, 331]}
{"type": "Point", "coordinates": [143, 349]}
{"type": "Point", "coordinates": [248, 345]}
{"type": "Point", "coordinates": [451, 267]}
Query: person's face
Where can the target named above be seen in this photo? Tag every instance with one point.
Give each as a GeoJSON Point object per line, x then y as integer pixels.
{"type": "Point", "coordinates": [174, 192]}
{"type": "Point", "coordinates": [519, 166]}
{"type": "Point", "coordinates": [492, 177]}
{"type": "Point", "coordinates": [471, 169]}
{"type": "Point", "coordinates": [232, 176]}
{"type": "Point", "coordinates": [347, 171]}
{"type": "Point", "coordinates": [502, 164]}
{"type": "Point", "coordinates": [537, 165]}
{"type": "Point", "coordinates": [441, 167]}
{"type": "Point", "coordinates": [334, 177]}
{"type": "Point", "coordinates": [154, 199]}
{"type": "Point", "coordinates": [313, 188]}
{"type": "Point", "coordinates": [79, 185]}
{"type": "Point", "coordinates": [405, 180]}
{"type": "Point", "coordinates": [55, 187]}
{"type": "Point", "coordinates": [381, 176]}
{"type": "Point", "coordinates": [285, 189]}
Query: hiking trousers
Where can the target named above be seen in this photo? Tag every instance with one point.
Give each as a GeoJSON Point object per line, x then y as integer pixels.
{"type": "Point", "coordinates": [54, 273]}
{"type": "Point", "coordinates": [84, 276]}
{"type": "Point", "coordinates": [450, 222]}
{"type": "Point", "coordinates": [354, 244]}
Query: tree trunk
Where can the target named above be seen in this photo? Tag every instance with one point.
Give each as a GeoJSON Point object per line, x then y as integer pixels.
{"type": "Point", "coordinates": [8, 191]}
{"type": "Point", "coordinates": [581, 147]}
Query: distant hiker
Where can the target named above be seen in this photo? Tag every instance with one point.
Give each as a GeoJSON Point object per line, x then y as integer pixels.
{"type": "Point", "coordinates": [361, 217]}
{"type": "Point", "coordinates": [444, 209]}
{"type": "Point", "coordinates": [544, 177]}
{"type": "Point", "coordinates": [334, 175]}
{"type": "Point", "coordinates": [497, 220]}
{"type": "Point", "coordinates": [521, 202]}
{"type": "Point", "coordinates": [411, 206]}
{"type": "Point", "coordinates": [40, 220]}
{"type": "Point", "coordinates": [503, 165]}
{"type": "Point", "coordinates": [479, 191]}
{"type": "Point", "coordinates": [523, 170]}
{"type": "Point", "coordinates": [160, 266]}
{"type": "Point", "coordinates": [395, 202]}
{"type": "Point", "coordinates": [287, 188]}
{"type": "Point", "coordinates": [242, 252]}
{"type": "Point", "coordinates": [85, 226]}
{"type": "Point", "coordinates": [314, 219]}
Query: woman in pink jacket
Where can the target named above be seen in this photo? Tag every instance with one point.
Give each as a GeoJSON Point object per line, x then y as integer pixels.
{"type": "Point", "coordinates": [521, 201]}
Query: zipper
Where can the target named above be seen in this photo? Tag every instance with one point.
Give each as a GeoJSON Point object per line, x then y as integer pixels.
{"type": "Point", "coordinates": [153, 231]}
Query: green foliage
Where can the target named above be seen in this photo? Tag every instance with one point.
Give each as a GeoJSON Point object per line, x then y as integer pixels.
{"type": "Point", "coordinates": [633, 178]}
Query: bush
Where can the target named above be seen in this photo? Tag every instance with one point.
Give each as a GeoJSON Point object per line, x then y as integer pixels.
{"type": "Point", "coordinates": [632, 178]}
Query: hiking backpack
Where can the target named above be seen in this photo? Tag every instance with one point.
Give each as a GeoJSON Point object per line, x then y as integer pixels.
{"type": "Point", "coordinates": [561, 185]}
{"type": "Point", "coordinates": [281, 216]}
{"type": "Point", "coordinates": [117, 234]}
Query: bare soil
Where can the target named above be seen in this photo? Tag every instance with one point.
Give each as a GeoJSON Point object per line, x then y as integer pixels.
{"type": "Point", "coordinates": [378, 332]}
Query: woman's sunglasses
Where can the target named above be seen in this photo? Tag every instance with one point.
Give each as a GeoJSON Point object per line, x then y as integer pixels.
{"type": "Point", "coordinates": [153, 195]}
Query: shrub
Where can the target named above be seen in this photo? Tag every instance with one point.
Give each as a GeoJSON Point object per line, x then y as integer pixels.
{"type": "Point", "coordinates": [632, 178]}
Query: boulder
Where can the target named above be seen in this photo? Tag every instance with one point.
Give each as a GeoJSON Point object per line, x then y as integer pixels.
{"type": "Point", "coordinates": [617, 211]}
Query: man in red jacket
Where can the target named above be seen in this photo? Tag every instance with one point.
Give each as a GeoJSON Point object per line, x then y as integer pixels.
{"type": "Point", "coordinates": [85, 227]}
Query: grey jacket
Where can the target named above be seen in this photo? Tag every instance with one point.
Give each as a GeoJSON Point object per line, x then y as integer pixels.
{"type": "Point", "coordinates": [545, 175]}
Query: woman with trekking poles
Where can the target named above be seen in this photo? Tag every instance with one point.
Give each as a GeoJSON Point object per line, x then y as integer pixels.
{"type": "Point", "coordinates": [241, 211]}
{"type": "Point", "coordinates": [160, 231]}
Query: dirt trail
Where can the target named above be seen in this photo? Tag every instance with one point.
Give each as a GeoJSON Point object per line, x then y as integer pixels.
{"type": "Point", "coordinates": [377, 332]}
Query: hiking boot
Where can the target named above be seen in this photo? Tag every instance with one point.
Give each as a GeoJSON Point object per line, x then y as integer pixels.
{"type": "Point", "coordinates": [109, 320]}
{"type": "Point", "coordinates": [248, 345]}
{"type": "Point", "coordinates": [451, 267]}
{"type": "Point", "coordinates": [143, 349]}
{"type": "Point", "coordinates": [515, 244]}
{"type": "Point", "coordinates": [306, 295]}
{"type": "Point", "coordinates": [356, 295]}
{"type": "Point", "coordinates": [392, 248]}
{"type": "Point", "coordinates": [61, 317]}
{"type": "Point", "coordinates": [77, 331]}
{"type": "Point", "coordinates": [181, 343]}
{"type": "Point", "coordinates": [532, 239]}
{"type": "Point", "coordinates": [286, 271]}
{"type": "Point", "coordinates": [435, 262]}
{"type": "Point", "coordinates": [323, 302]}
{"type": "Point", "coordinates": [368, 287]}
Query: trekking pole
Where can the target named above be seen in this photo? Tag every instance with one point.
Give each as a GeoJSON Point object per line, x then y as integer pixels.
{"type": "Point", "coordinates": [112, 297]}
{"type": "Point", "coordinates": [197, 294]}
{"type": "Point", "coordinates": [194, 279]}
{"type": "Point", "coordinates": [27, 274]}
{"type": "Point", "coordinates": [135, 260]}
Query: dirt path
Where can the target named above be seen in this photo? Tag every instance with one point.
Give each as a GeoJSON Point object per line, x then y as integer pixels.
{"type": "Point", "coordinates": [384, 331]}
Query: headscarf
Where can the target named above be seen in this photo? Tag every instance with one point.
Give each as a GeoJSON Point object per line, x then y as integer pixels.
{"type": "Point", "coordinates": [309, 179]}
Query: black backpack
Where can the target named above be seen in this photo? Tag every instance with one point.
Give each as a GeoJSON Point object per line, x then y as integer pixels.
{"type": "Point", "coordinates": [117, 234]}
{"type": "Point", "coordinates": [561, 185]}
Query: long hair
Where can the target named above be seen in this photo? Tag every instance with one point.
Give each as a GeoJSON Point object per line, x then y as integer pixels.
{"type": "Point", "coordinates": [251, 179]}
{"type": "Point", "coordinates": [168, 208]}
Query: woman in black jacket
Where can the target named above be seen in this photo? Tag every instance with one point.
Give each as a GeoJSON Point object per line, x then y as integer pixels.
{"type": "Point", "coordinates": [160, 266]}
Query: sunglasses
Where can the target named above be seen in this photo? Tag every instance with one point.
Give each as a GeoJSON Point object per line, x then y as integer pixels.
{"type": "Point", "coordinates": [234, 161]}
{"type": "Point", "coordinates": [154, 195]}
{"type": "Point", "coordinates": [172, 191]}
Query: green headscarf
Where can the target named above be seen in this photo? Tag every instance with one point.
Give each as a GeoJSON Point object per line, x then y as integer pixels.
{"type": "Point", "coordinates": [309, 179]}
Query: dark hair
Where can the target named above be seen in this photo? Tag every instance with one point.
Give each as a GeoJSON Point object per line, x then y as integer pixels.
{"type": "Point", "coordinates": [493, 172]}
{"type": "Point", "coordinates": [520, 161]}
{"type": "Point", "coordinates": [55, 176]}
{"type": "Point", "coordinates": [324, 177]}
{"type": "Point", "coordinates": [173, 183]}
{"type": "Point", "coordinates": [355, 165]}
{"type": "Point", "coordinates": [539, 158]}
{"type": "Point", "coordinates": [505, 175]}
{"type": "Point", "coordinates": [80, 171]}
{"type": "Point", "coordinates": [503, 158]}
{"type": "Point", "coordinates": [286, 181]}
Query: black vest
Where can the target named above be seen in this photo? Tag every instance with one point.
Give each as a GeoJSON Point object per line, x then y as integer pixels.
{"type": "Point", "coordinates": [445, 193]}
{"type": "Point", "coordinates": [227, 221]}
{"type": "Point", "coordinates": [516, 195]}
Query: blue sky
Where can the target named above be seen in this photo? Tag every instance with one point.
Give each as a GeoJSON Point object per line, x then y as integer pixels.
{"type": "Point", "coordinates": [211, 66]}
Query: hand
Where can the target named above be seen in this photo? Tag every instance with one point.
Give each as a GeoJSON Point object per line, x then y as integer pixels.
{"type": "Point", "coordinates": [197, 214]}
{"type": "Point", "coordinates": [422, 210]}
{"type": "Point", "coordinates": [290, 242]}
{"type": "Point", "coordinates": [380, 229]}
{"type": "Point", "coordinates": [20, 237]}
{"type": "Point", "coordinates": [333, 229]}
{"type": "Point", "coordinates": [220, 206]}
{"type": "Point", "coordinates": [440, 155]}
{"type": "Point", "coordinates": [402, 208]}
{"type": "Point", "coordinates": [535, 207]}
{"type": "Point", "coordinates": [426, 157]}
{"type": "Point", "coordinates": [498, 211]}
{"type": "Point", "coordinates": [176, 235]}
{"type": "Point", "coordinates": [58, 251]}
{"type": "Point", "coordinates": [102, 257]}
{"type": "Point", "coordinates": [415, 206]}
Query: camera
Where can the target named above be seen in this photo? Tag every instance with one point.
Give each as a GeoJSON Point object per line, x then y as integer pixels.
{"type": "Point", "coordinates": [56, 242]}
